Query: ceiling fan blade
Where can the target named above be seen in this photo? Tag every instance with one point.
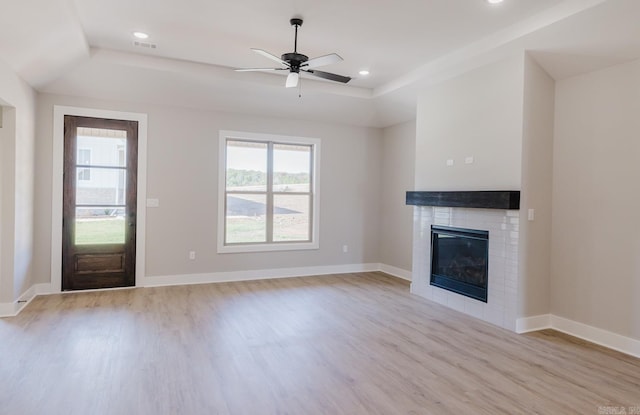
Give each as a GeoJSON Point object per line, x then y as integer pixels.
{"type": "Point", "coordinates": [260, 69]}
{"type": "Point", "coordinates": [323, 60]}
{"type": "Point", "coordinates": [270, 56]}
{"type": "Point", "coordinates": [292, 80]}
{"type": "Point", "coordinates": [328, 75]}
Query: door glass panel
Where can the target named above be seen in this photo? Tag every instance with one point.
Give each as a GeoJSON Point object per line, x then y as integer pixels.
{"type": "Point", "coordinates": [291, 218]}
{"type": "Point", "coordinates": [99, 186]}
{"type": "Point", "coordinates": [101, 147]}
{"type": "Point", "coordinates": [100, 225]}
{"type": "Point", "coordinates": [291, 168]}
{"type": "Point", "coordinates": [246, 166]}
{"type": "Point", "coordinates": [246, 218]}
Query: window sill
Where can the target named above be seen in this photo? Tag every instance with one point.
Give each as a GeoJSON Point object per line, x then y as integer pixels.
{"type": "Point", "coordinates": [235, 249]}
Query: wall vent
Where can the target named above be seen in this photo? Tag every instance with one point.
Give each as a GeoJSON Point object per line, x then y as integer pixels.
{"type": "Point", "coordinates": [144, 45]}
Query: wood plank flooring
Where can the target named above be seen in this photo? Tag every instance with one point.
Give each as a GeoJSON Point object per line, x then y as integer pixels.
{"type": "Point", "coordinates": [341, 344]}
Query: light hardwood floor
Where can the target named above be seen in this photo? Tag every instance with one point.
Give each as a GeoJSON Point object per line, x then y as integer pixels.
{"type": "Point", "coordinates": [343, 344]}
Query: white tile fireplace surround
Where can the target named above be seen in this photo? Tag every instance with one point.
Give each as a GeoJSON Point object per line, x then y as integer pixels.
{"type": "Point", "coordinates": [503, 226]}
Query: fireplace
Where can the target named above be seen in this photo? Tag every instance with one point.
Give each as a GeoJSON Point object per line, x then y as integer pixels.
{"type": "Point", "coordinates": [495, 212]}
{"type": "Point", "coordinates": [459, 260]}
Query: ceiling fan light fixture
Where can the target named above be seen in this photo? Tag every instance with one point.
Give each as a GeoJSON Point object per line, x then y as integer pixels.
{"type": "Point", "coordinates": [364, 72]}
{"type": "Point", "coordinates": [292, 79]}
{"type": "Point", "coordinates": [141, 35]}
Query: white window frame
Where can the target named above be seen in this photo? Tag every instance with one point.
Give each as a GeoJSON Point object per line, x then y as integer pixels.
{"type": "Point", "coordinates": [224, 135]}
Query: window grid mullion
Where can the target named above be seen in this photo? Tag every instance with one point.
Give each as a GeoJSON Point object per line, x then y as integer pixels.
{"type": "Point", "coordinates": [312, 191]}
{"type": "Point", "coordinates": [292, 193]}
{"type": "Point", "coordinates": [270, 193]}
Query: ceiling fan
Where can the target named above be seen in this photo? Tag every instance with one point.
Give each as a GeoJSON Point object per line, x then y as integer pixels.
{"type": "Point", "coordinates": [295, 62]}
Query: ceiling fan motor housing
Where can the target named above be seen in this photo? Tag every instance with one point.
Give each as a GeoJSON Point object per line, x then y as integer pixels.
{"type": "Point", "coordinates": [295, 60]}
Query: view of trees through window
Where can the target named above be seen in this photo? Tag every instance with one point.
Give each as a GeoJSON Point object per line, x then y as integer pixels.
{"type": "Point", "coordinates": [240, 178]}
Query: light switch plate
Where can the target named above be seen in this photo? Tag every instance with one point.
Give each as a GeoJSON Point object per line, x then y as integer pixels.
{"type": "Point", "coordinates": [153, 202]}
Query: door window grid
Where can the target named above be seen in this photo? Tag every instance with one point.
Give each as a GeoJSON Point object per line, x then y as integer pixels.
{"type": "Point", "coordinates": [100, 205]}
{"type": "Point", "coordinates": [84, 158]}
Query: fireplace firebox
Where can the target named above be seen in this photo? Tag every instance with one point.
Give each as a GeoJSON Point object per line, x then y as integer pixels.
{"type": "Point", "coordinates": [460, 260]}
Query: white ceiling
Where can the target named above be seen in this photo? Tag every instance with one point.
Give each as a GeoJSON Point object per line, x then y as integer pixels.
{"type": "Point", "coordinates": [85, 47]}
{"type": "Point", "coordinates": [389, 38]}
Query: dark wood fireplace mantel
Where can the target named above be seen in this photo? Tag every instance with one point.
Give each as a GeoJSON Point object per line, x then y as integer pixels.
{"type": "Point", "coordinates": [482, 199]}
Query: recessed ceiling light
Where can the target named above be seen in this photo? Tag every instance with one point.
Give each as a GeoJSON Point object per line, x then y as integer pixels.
{"type": "Point", "coordinates": [364, 72]}
{"type": "Point", "coordinates": [494, 1]}
{"type": "Point", "coordinates": [141, 35]}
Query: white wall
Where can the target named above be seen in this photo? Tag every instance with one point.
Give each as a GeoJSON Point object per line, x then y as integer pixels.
{"type": "Point", "coordinates": [17, 176]}
{"type": "Point", "coordinates": [595, 267]}
{"type": "Point", "coordinates": [7, 203]}
{"type": "Point", "coordinates": [396, 221]}
{"type": "Point", "coordinates": [537, 173]}
{"type": "Point", "coordinates": [478, 114]}
{"type": "Point", "coordinates": [182, 173]}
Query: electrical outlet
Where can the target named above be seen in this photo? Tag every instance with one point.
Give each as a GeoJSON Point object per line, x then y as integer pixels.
{"type": "Point", "coordinates": [192, 255]}
{"type": "Point", "coordinates": [449, 162]}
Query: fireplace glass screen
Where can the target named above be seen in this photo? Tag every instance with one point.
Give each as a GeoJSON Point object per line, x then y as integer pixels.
{"type": "Point", "coordinates": [459, 260]}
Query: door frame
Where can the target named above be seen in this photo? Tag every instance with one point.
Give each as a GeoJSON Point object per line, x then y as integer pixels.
{"type": "Point", "coordinates": [57, 187]}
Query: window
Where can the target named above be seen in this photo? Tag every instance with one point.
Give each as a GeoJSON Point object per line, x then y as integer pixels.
{"type": "Point", "coordinates": [84, 159]}
{"type": "Point", "coordinates": [268, 192]}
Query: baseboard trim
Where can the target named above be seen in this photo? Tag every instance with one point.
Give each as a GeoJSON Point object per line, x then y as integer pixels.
{"type": "Point", "coordinates": [7, 310]}
{"type": "Point", "coordinates": [395, 271]}
{"type": "Point", "coordinates": [12, 309]}
{"type": "Point", "coordinates": [605, 338]}
{"type": "Point", "coordinates": [535, 323]}
{"type": "Point", "coordinates": [260, 274]}
{"type": "Point", "coordinates": [43, 289]}
{"type": "Point", "coordinates": [598, 336]}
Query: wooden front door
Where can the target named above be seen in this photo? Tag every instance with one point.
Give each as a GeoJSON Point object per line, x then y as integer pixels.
{"type": "Point", "coordinates": [99, 203]}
